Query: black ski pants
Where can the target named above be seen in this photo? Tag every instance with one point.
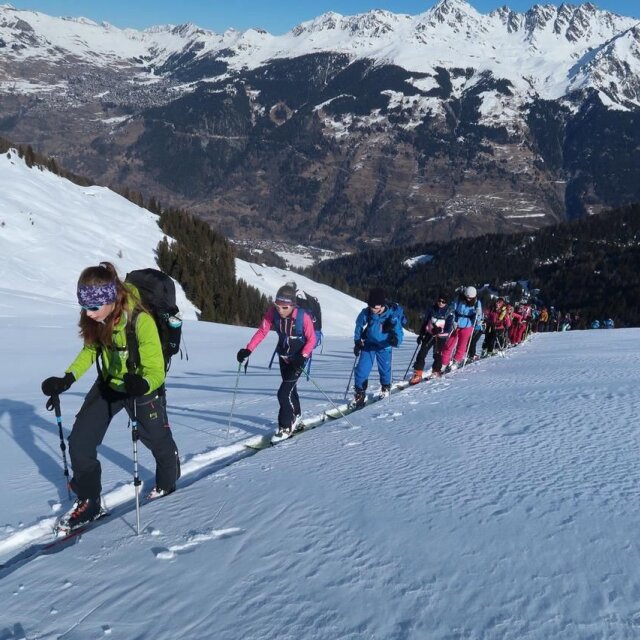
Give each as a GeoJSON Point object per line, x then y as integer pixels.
{"type": "Point", "coordinates": [288, 394]}
{"type": "Point", "coordinates": [494, 338]}
{"type": "Point", "coordinates": [100, 406]}
{"type": "Point", "coordinates": [438, 344]}
{"type": "Point", "coordinates": [473, 344]}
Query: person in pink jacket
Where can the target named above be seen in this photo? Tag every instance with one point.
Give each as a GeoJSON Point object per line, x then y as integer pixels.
{"type": "Point", "coordinates": [296, 340]}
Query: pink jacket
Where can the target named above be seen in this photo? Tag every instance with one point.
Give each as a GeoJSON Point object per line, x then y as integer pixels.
{"type": "Point", "coordinates": [287, 340]}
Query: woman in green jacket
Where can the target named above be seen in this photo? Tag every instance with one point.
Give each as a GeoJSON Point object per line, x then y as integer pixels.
{"type": "Point", "coordinates": [108, 306]}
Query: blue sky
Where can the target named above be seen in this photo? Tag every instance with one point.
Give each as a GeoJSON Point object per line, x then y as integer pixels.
{"type": "Point", "coordinates": [276, 17]}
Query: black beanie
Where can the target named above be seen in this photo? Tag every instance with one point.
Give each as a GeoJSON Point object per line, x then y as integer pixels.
{"type": "Point", "coordinates": [376, 297]}
{"type": "Point", "coordinates": [286, 294]}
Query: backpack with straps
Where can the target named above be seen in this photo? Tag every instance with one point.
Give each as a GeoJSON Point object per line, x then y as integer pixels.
{"type": "Point", "coordinates": [398, 312]}
{"type": "Point", "coordinates": [311, 306]}
{"type": "Point", "coordinates": [158, 296]}
{"type": "Point", "coordinates": [398, 318]}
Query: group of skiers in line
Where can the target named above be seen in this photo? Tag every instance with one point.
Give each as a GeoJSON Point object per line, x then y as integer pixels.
{"type": "Point", "coordinates": [114, 322]}
{"type": "Point", "coordinates": [551, 319]}
{"type": "Point", "coordinates": [451, 327]}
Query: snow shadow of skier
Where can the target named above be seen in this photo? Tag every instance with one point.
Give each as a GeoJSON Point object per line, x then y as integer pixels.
{"type": "Point", "coordinates": [46, 453]}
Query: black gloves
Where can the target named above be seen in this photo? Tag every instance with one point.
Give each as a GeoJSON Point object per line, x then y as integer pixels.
{"type": "Point", "coordinates": [436, 330]}
{"type": "Point", "coordinates": [135, 385]}
{"type": "Point", "coordinates": [55, 386]}
{"type": "Point", "coordinates": [299, 361]}
{"type": "Point", "coordinates": [243, 354]}
{"type": "Point", "coordinates": [387, 325]}
{"type": "Point", "coordinates": [420, 338]}
{"type": "Point", "coordinates": [393, 339]}
{"type": "Point", "coordinates": [357, 348]}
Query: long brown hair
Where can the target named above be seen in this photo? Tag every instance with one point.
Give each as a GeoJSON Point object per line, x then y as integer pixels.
{"type": "Point", "coordinates": [101, 333]}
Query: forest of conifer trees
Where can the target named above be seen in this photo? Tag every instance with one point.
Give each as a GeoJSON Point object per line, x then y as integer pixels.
{"type": "Point", "coordinates": [589, 266]}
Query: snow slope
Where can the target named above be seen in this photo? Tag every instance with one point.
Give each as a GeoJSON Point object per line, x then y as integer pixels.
{"type": "Point", "coordinates": [51, 229]}
{"type": "Point", "coordinates": [495, 503]}
{"type": "Point", "coordinates": [498, 502]}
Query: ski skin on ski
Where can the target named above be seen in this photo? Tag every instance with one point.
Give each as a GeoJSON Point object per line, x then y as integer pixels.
{"type": "Point", "coordinates": [328, 416]}
{"type": "Point", "coordinates": [63, 538]}
{"type": "Point", "coordinates": [333, 414]}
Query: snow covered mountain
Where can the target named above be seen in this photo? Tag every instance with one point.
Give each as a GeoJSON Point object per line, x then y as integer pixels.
{"type": "Point", "coordinates": [549, 46]}
{"type": "Point", "coordinates": [457, 121]}
{"type": "Point", "coordinates": [496, 502]}
{"type": "Point", "coordinates": [51, 229]}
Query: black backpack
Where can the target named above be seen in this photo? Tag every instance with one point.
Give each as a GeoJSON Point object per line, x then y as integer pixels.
{"type": "Point", "coordinates": [311, 307]}
{"type": "Point", "coordinates": [158, 296]}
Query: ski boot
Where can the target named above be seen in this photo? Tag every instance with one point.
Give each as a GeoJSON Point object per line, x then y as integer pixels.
{"type": "Point", "coordinates": [83, 511]}
{"type": "Point", "coordinates": [417, 377]}
{"type": "Point", "coordinates": [359, 398]}
{"type": "Point", "coordinates": [156, 493]}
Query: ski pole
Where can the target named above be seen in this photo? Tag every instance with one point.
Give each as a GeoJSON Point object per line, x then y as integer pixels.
{"type": "Point", "coordinates": [136, 479]}
{"type": "Point", "coordinates": [466, 353]}
{"type": "Point", "coordinates": [346, 391]}
{"type": "Point", "coordinates": [233, 401]}
{"type": "Point", "coordinates": [54, 403]}
{"type": "Point", "coordinates": [413, 357]}
{"type": "Point", "coordinates": [333, 404]}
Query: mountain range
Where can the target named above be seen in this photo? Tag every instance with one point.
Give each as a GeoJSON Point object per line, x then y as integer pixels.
{"type": "Point", "coordinates": [347, 130]}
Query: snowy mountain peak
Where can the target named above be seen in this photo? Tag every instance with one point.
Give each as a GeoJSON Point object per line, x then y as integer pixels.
{"type": "Point", "coordinates": [189, 30]}
{"type": "Point", "coordinates": [325, 22]}
{"type": "Point", "coordinates": [453, 10]}
{"type": "Point", "coordinates": [512, 20]}
{"type": "Point", "coordinates": [458, 15]}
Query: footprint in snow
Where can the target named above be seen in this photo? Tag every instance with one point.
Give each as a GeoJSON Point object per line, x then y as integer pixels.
{"type": "Point", "coordinates": [391, 416]}
{"type": "Point", "coordinates": [55, 505]}
{"type": "Point", "coordinates": [152, 531]}
{"type": "Point", "coordinates": [106, 629]}
{"type": "Point", "coordinates": [192, 541]}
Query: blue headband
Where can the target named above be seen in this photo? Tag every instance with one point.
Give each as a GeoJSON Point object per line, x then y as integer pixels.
{"type": "Point", "coordinates": [95, 295]}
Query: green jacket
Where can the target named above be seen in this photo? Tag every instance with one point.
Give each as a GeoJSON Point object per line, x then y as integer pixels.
{"type": "Point", "coordinates": [114, 358]}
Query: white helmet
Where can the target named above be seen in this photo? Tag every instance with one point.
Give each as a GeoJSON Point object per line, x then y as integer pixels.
{"type": "Point", "coordinates": [469, 292]}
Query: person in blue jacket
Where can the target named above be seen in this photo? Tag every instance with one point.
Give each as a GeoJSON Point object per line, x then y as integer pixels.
{"type": "Point", "coordinates": [377, 330]}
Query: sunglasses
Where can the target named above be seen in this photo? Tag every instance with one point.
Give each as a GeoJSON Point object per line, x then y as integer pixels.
{"type": "Point", "coordinates": [442, 300]}
{"type": "Point", "coordinates": [90, 307]}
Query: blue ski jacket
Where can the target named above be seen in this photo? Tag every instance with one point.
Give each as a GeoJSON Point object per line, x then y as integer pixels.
{"type": "Point", "coordinates": [465, 314]}
{"type": "Point", "coordinates": [370, 329]}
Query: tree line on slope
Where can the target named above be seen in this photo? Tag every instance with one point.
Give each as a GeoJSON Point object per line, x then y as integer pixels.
{"type": "Point", "coordinates": [588, 266]}
{"type": "Point", "coordinates": [200, 259]}
{"type": "Point", "coordinates": [203, 262]}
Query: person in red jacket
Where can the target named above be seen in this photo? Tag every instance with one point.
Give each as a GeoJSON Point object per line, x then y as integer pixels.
{"type": "Point", "coordinates": [296, 340]}
{"type": "Point", "coordinates": [516, 319]}
{"type": "Point", "coordinates": [498, 322]}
